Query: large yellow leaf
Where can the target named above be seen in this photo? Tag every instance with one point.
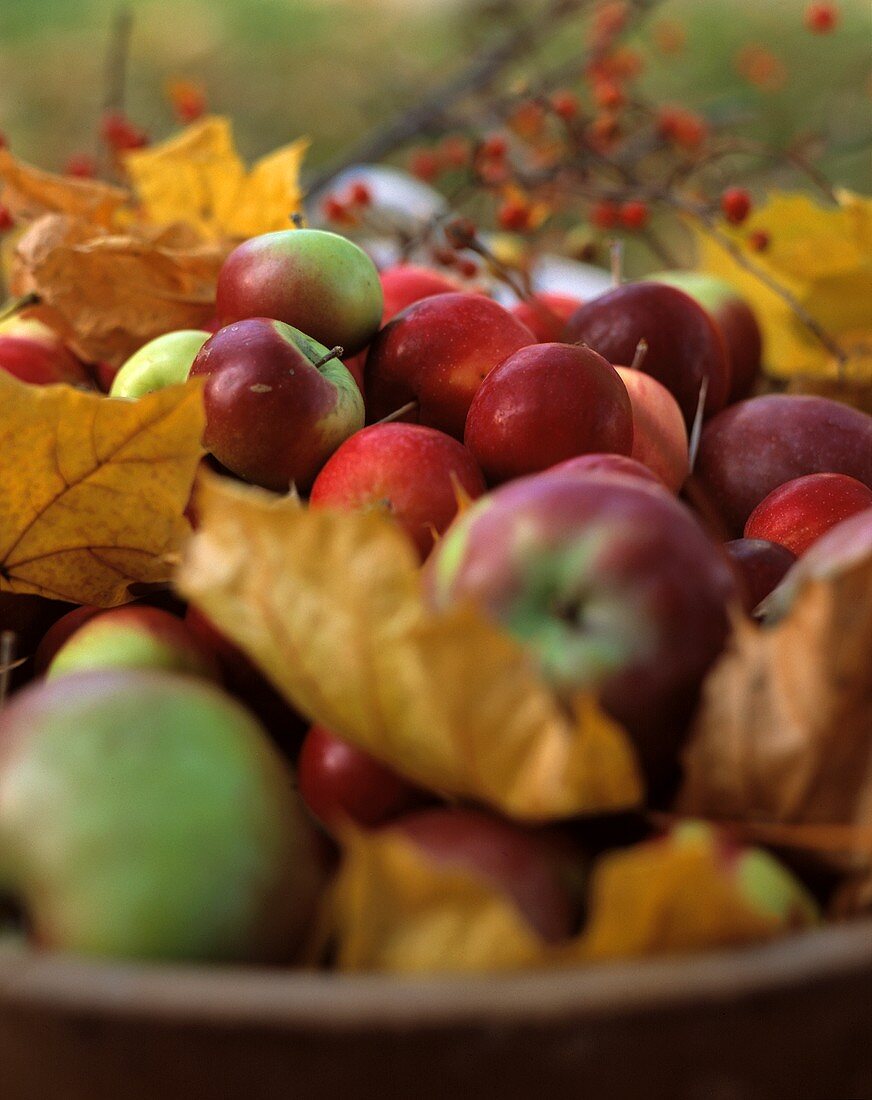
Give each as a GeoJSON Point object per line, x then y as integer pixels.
{"type": "Point", "coordinates": [110, 293]}
{"type": "Point", "coordinates": [197, 177]}
{"type": "Point", "coordinates": [823, 256]}
{"type": "Point", "coordinates": [29, 192]}
{"type": "Point", "coordinates": [93, 488]}
{"type": "Point", "coordinates": [329, 605]}
{"type": "Point", "coordinates": [394, 910]}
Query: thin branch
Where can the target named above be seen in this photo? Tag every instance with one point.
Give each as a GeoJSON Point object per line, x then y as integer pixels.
{"type": "Point", "coordinates": [117, 55]}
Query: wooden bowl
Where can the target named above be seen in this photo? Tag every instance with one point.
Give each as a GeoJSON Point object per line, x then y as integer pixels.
{"type": "Point", "coordinates": [790, 1019]}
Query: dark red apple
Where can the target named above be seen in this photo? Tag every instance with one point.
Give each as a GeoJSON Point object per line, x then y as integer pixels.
{"type": "Point", "coordinates": [340, 783]}
{"type": "Point", "coordinates": [761, 566]}
{"type": "Point", "coordinates": [684, 343]}
{"type": "Point", "coordinates": [751, 448]}
{"type": "Point", "coordinates": [543, 405]}
{"type": "Point", "coordinates": [798, 512]}
{"type": "Point", "coordinates": [532, 869]}
{"type": "Point", "coordinates": [277, 405]}
{"type": "Point", "coordinates": [545, 314]}
{"type": "Point", "coordinates": [32, 352]}
{"type": "Point", "coordinates": [412, 472]}
{"type": "Point", "coordinates": [605, 464]}
{"type": "Point", "coordinates": [319, 282]}
{"type": "Point", "coordinates": [612, 585]}
{"type": "Point", "coordinates": [437, 352]}
{"type": "Point", "coordinates": [736, 319]}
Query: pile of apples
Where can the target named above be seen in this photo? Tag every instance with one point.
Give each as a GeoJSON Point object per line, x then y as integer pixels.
{"type": "Point", "coordinates": [534, 457]}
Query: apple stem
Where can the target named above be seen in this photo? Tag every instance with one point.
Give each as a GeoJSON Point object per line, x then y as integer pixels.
{"type": "Point", "coordinates": [639, 356]}
{"type": "Point", "coordinates": [16, 305]}
{"type": "Point", "coordinates": [696, 430]}
{"type": "Point", "coordinates": [616, 254]}
{"type": "Point", "coordinates": [410, 406]}
{"type": "Point", "coordinates": [333, 353]}
{"type": "Point", "coordinates": [297, 218]}
{"type": "Point", "coordinates": [7, 662]}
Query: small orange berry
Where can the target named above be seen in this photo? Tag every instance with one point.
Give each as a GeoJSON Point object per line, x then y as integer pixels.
{"type": "Point", "coordinates": [821, 18]}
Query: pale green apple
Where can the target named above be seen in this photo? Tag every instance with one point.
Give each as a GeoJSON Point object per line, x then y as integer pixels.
{"type": "Point", "coordinates": [164, 361]}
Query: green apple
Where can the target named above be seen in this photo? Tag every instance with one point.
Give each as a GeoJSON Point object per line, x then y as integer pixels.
{"type": "Point", "coordinates": [147, 815]}
{"type": "Point", "coordinates": [134, 637]}
{"type": "Point", "coordinates": [164, 361]}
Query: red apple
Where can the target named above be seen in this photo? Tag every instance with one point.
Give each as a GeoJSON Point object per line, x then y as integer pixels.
{"type": "Point", "coordinates": [436, 352]}
{"type": "Point", "coordinates": [32, 352]}
{"type": "Point", "coordinates": [532, 869]}
{"type": "Point", "coordinates": [545, 314]}
{"type": "Point", "coordinates": [404, 284]}
{"type": "Point", "coordinates": [134, 637]}
{"type": "Point", "coordinates": [340, 782]}
{"type": "Point", "coordinates": [753, 447]}
{"type": "Point", "coordinates": [277, 405]}
{"type": "Point", "coordinates": [612, 585]}
{"type": "Point", "coordinates": [684, 343]}
{"type": "Point", "coordinates": [659, 434]}
{"type": "Point", "coordinates": [798, 512]}
{"type": "Point", "coordinates": [57, 635]}
{"type": "Point", "coordinates": [611, 465]}
{"type": "Point", "coordinates": [319, 282]}
{"type": "Point", "coordinates": [545, 404]}
{"type": "Point", "coordinates": [412, 472]}
{"type": "Point", "coordinates": [736, 319]}
{"type": "Point", "coordinates": [761, 565]}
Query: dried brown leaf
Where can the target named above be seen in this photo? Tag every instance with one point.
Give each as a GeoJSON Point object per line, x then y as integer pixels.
{"type": "Point", "coordinates": [29, 192]}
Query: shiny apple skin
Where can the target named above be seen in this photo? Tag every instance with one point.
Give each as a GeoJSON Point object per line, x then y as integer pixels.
{"type": "Point", "coordinates": [545, 314]}
{"type": "Point", "coordinates": [609, 582]}
{"type": "Point", "coordinates": [272, 416]}
{"type": "Point", "coordinates": [543, 405]}
{"type": "Point", "coordinates": [32, 352]}
{"type": "Point", "coordinates": [609, 465]}
{"type": "Point", "coordinates": [316, 281]}
{"type": "Point", "coordinates": [684, 343]}
{"type": "Point", "coordinates": [437, 352]}
{"type": "Point", "coordinates": [412, 472]}
{"type": "Point", "coordinates": [659, 435]}
{"type": "Point", "coordinates": [752, 447]}
{"type": "Point", "coordinates": [797, 513]}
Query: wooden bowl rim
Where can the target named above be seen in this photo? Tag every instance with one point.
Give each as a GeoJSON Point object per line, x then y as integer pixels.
{"type": "Point", "coordinates": [318, 1001]}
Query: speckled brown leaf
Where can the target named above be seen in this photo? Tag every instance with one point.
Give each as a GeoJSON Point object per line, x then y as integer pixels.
{"type": "Point", "coordinates": [29, 192]}
{"type": "Point", "coordinates": [94, 488]}
{"type": "Point", "coordinates": [784, 733]}
{"type": "Point", "coordinates": [109, 293]}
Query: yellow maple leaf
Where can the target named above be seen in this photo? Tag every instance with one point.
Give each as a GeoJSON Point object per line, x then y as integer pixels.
{"type": "Point", "coordinates": [821, 255]}
{"type": "Point", "coordinates": [392, 909]}
{"type": "Point", "coordinates": [29, 192]}
{"type": "Point", "coordinates": [109, 293]}
{"type": "Point", "coordinates": [329, 605]}
{"type": "Point", "coordinates": [94, 488]}
{"type": "Point", "coordinates": [197, 177]}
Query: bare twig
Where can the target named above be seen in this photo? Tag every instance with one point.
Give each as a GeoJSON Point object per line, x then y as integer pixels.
{"type": "Point", "coordinates": [117, 54]}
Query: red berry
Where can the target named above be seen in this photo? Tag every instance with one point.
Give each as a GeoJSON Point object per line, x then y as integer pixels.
{"type": "Point", "coordinates": [334, 210]}
{"type": "Point", "coordinates": [6, 219]}
{"type": "Point", "coordinates": [682, 127]}
{"type": "Point", "coordinates": [467, 268]}
{"type": "Point", "coordinates": [604, 131]}
{"type": "Point", "coordinates": [608, 94]}
{"type": "Point", "coordinates": [736, 204]}
{"type": "Point", "coordinates": [565, 104]}
{"type": "Point", "coordinates": [605, 214]}
{"type": "Point", "coordinates": [425, 165]}
{"type": "Point", "coordinates": [514, 216]}
{"type": "Point", "coordinates": [759, 240]}
{"type": "Point", "coordinates": [81, 165]}
{"type": "Point", "coordinates": [821, 18]}
{"type": "Point", "coordinates": [120, 133]}
{"type": "Point", "coordinates": [455, 151]}
{"type": "Point", "coordinates": [494, 147]}
{"type": "Point", "coordinates": [359, 194]}
{"type": "Point", "coordinates": [634, 215]}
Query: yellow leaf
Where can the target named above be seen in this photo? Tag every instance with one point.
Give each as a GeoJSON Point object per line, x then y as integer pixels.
{"type": "Point", "coordinates": [107, 293]}
{"type": "Point", "coordinates": [823, 256]}
{"type": "Point", "coordinates": [29, 192]}
{"type": "Point", "coordinates": [392, 909]}
{"type": "Point", "coordinates": [94, 489]}
{"type": "Point", "coordinates": [197, 177]}
{"type": "Point", "coordinates": [329, 605]}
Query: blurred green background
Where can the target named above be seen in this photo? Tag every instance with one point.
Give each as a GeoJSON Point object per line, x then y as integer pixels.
{"type": "Point", "coordinates": [335, 68]}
